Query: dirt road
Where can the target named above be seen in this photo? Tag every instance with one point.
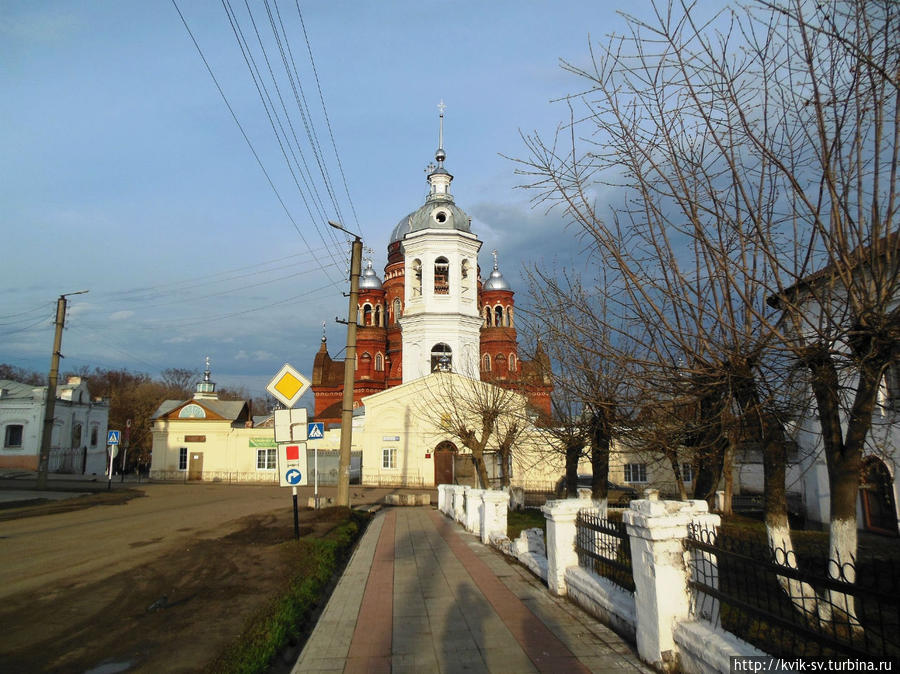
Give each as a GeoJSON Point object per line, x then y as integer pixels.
{"type": "Point", "coordinates": [159, 583]}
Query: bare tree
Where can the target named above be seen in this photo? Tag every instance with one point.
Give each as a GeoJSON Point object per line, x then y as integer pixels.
{"type": "Point", "coordinates": [482, 416]}
{"type": "Point", "coordinates": [756, 157]}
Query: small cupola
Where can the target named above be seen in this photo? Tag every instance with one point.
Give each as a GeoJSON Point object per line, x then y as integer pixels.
{"type": "Point", "coordinates": [207, 387]}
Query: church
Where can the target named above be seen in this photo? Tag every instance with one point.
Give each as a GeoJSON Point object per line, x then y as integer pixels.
{"type": "Point", "coordinates": [432, 311]}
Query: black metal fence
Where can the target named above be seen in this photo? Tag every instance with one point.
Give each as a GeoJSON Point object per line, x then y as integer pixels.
{"type": "Point", "coordinates": [604, 548]}
{"type": "Point", "coordinates": [789, 606]}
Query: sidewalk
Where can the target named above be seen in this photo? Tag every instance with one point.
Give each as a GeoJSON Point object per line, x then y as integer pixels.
{"type": "Point", "coordinates": [421, 595]}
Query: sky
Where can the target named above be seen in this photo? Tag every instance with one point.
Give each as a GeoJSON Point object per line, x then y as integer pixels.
{"type": "Point", "coordinates": [124, 171]}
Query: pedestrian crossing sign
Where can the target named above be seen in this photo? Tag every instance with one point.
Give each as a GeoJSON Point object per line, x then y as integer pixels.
{"type": "Point", "coordinates": [315, 430]}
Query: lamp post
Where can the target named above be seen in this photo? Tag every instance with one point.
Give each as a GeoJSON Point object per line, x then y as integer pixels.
{"type": "Point", "coordinates": [343, 490]}
{"type": "Point", "coordinates": [50, 402]}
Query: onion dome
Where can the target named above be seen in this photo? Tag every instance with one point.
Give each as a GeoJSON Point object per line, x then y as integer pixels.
{"type": "Point", "coordinates": [496, 280]}
{"type": "Point", "coordinates": [369, 280]}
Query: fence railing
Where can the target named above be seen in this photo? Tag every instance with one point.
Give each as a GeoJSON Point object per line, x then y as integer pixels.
{"type": "Point", "coordinates": [794, 607]}
{"type": "Point", "coordinates": [604, 548]}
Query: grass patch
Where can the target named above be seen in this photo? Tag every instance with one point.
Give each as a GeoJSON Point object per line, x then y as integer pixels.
{"type": "Point", "coordinates": [519, 520]}
{"type": "Point", "coordinates": [286, 618]}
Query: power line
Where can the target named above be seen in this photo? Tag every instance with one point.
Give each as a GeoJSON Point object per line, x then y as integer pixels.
{"type": "Point", "coordinates": [325, 112]}
{"type": "Point", "coordinates": [243, 133]}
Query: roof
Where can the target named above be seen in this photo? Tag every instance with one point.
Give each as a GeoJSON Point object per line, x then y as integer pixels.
{"type": "Point", "coordinates": [858, 256]}
{"type": "Point", "coordinates": [227, 409]}
{"type": "Point", "coordinates": [17, 390]}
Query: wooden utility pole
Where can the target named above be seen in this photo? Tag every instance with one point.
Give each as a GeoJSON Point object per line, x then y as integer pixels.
{"type": "Point", "coordinates": [50, 402]}
{"type": "Point", "coordinates": [343, 490]}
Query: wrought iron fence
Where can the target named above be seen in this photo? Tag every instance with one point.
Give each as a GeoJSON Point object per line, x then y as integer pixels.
{"type": "Point", "coordinates": [789, 606]}
{"type": "Point", "coordinates": [604, 548]}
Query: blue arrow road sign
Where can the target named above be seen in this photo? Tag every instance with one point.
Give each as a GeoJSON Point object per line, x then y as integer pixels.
{"type": "Point", "coordinates": [112, 438]}
{"type": "Point", "coordinates": [315, 430]}
{"type": "Point", "coordinates": [293, 476]}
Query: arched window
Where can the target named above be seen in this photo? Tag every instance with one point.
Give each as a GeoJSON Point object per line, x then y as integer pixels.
{"type": "Point", "coordinates": [486, 363]}
{"type": "Point", "coordinates": [500, 361]}
{"type": "Point", "coordinates": [487, 317]}
{"type": "Point", "coordinates": [465, 270]}
{"type": "Point", "coordinates": [512, 362]}
{"type": "Point", "coordinates": [379, 362]}
{"type": "Point", "coordinates": [398, 310]}
{"type": "Point", "coordinates": [416, 278]}
{"type": "Point", "coordinates": [441, 276]}
{"type": "Point", "coordinates": [76, 435]}
{"type": "Point", "coordinates": [498, 315]}
{"type": "Point", "coordinates": [378, 316]}
{"type": "Point", "coordinates": [441, 357]}
{"type": "Point", "coordinates": [509, 317]}
{"type": "Point", "coordinates": [366, 314]}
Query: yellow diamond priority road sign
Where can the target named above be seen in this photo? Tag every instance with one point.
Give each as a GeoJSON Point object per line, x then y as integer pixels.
{"type": "Point", "coordinates": [288, 385]}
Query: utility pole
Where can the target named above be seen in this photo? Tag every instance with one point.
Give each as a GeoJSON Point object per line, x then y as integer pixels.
{"type": "Point", "coordinates": [50, 402]}
{"type": "Point", "coordinates": [343, 491]}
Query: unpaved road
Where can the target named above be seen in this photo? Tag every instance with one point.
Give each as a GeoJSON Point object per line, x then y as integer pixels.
{"type": "Point", "coordinates": [159, 583]}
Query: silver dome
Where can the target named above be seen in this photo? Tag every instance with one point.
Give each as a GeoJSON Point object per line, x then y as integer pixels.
{"type": "Point", "coordinates": [496, 281]}
{"type": "Point", "coordinates": [438, 212]}
{"type": "Point", "coordinates": [369, 280]}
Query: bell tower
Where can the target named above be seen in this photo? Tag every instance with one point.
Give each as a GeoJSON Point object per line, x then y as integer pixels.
{"type": "Point", "coordinates": [441, 322]}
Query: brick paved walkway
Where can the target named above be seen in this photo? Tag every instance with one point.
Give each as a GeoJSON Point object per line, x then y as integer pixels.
{"type": "Point", "coordinates": [422, 595]}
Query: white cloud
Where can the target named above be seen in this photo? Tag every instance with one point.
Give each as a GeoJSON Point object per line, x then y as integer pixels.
{"type": "Point", "coordinates": [121, 315]}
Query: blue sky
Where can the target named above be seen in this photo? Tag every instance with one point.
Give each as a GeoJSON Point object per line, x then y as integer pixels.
{"type": "Point", "coordinates": [123, 172]}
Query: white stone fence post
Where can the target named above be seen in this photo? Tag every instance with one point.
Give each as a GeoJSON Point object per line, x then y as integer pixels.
{"type": "Point", "coordinates": [473, 510]}
{"type": "Point", "coordinates": [494, 506]}
{"type": "Point", "coordinates": [561, 553]}
{"type": "Point", "coordinates": [656, 530]}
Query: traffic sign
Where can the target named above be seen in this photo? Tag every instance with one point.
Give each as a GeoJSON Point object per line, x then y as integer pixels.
{"type": "Point", "coordinates": [288, 385]}
{"type": "Point", "coordinates": [112, 438]}
{"type": "Point", "coordinates": [290, 425]}
{"type": "Point", "coordinates": [315, 430]}
{"type": "Point", "coordinates": [291, 463]}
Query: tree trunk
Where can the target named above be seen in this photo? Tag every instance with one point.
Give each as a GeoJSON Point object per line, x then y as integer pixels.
{"type": "Point", "coordinates": [600, 443]}
{"type": "Point", "coordinates": [672, 456]}
{"type": "Point", "coordinates": [481, 470]}
{"type": "Point", "coordinates": [573, 454]}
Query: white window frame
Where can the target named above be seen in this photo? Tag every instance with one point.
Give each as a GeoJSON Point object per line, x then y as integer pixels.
{"type": "Point", "coordinates": [182, 458]}
{"type": "Point", "coordinates": [641, 473]}
{"type": "Point", "coordinates": [269, 458]}
{"type": "Point", "coordinates": [389, 458]}
{"type": "Point", "coordinates": [687, 472]}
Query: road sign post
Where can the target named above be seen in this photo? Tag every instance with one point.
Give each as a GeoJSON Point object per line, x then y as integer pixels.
{"type": "Point", "coordinates": [112, 445]}
{"type": "Point", "coordinates": [315, 430]}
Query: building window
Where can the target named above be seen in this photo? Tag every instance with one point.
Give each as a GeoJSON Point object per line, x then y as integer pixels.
{"type": "Point", "coordinates": [13, 436]}
{"type": "Point", "coordinates": [379, 316]}
{"type": "Point", "coordinates": [366, 318]}
{"type": "Point", "coordinates": [509, 317]}
{"type": "Point", "coordinates": [441, 276]}
{"type": "Point", "coordinates": [76, 435]}
{"type": "Point", "coordinates": [379, 362]}
{"type": "Point", "coordinates": [398, 310]}
{"type": "Point", "coordinates": [266, 459]}
{"type": "Point", "coordinates": [498, 316]}
{"type": "Point", "coordinates": [486, 363]}
{"type": "Point", "coordinates": [94, 433]}
{"type": "Point", "coordinates": [635, 472]}
{"type": "Point", "coordinates": [416, 278]}
{"type": "Point", "coordinates": [182, 458]}
{"type": "Point", "coordinates": [389, 457]}
{"type": "Point", "coordinates": [512, 362]}
{"type": "Point", "coordinates": [441, 357]}
{"type": "Point", "coordinates": [687, 472]}
{"type": "Point", "coordinates": [892, 387]}
{"type": "Point", "coordinates": [487, 317]}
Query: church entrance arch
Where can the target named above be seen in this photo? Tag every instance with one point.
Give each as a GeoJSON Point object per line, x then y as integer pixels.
{"type": "Point", "coordinates": [877, 493]}
{"type": "Point", "coordinates": [444, 456]}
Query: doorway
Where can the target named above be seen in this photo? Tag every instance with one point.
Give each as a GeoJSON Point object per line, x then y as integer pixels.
{"type": "Point", "coordinates": [877, 493]}
{"type": "Point", "coordinates": [444, 455]}
{"type": "Point", "coordinates": [195, 466]}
